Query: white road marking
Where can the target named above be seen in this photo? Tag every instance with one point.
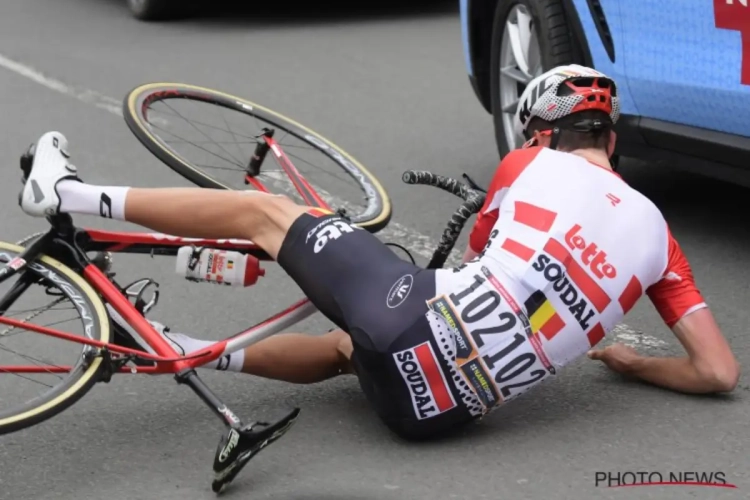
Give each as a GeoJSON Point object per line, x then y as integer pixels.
{"type": "Point", "coordinates": [627, 335]}
{"type": "Point", "coordinates": [417, 243]}
{"type": "Point", "coordinates": [84, 95]}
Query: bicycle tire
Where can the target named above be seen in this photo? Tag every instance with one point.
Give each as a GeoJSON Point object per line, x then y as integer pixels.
{"type": "Point", "coordinates": [374, 218]}
{"type": "Point", "coordinates": [82, 377]}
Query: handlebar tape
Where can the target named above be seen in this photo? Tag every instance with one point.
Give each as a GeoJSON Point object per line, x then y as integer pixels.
{"type": "Point", "coordinates": [473, 201]}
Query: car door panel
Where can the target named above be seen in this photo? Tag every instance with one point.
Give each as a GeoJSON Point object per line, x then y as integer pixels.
{"type": "Point", "coordinates": [681, 68]}
{"type": "Point", "coordinates": [599, 55]}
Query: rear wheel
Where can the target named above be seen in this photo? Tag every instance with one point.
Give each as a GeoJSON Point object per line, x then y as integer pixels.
{"type": "Point", "coordinates": [529, 37]}
{"type": "Point", "coordinates": [41, 375]}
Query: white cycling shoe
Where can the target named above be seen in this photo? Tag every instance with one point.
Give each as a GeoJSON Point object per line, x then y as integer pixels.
{"type": "Point", "coordinates": [48, 166]}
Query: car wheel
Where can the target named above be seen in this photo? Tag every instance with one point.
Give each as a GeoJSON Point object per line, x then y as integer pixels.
{"type": "Point", "coordinates": [529, 37]}
{"type": "Point", "coordinates": [155, 10]}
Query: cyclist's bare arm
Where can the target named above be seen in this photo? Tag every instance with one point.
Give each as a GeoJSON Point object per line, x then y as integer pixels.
{"type": "Point", "coordinates": [710, 365]}
{"type": "Point", "coordinates": [469, 254]}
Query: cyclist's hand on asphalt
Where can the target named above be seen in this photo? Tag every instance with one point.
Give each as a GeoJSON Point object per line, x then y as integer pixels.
{"type": "Point", "coordinates": [617, 357]}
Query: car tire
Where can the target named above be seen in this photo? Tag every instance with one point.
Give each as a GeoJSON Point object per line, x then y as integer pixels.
{"type": "Point", "coordinates": [158, 10]}
{"type": "Point", "coordinates": [557, 47]}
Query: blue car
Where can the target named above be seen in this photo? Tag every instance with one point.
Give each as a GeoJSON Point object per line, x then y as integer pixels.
{"type": "Point", "coordinates": [682, 68]}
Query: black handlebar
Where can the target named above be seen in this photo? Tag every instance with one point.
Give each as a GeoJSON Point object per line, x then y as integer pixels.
{"type": "Point", "coordinates": [473, 201]}
{"type": "Point", "coordinates": [453, 186]}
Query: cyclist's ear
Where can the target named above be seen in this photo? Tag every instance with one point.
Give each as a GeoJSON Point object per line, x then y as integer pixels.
{"type": "Point", "coordinates": [611, 143]}
{"type": "Point", "coordinates": [540, 138]}
{"type": "Point", "coordinates": [530, 143]}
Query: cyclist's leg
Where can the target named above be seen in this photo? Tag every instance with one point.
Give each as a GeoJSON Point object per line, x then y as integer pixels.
{"type": "Point", "coordinates": [52, 186]}
{"type": "Point", "coordinates": [300, 358]}
{"type": "Point", "coordinates": [207, 213]}
{"type": "Point", "coordinates": [291, 357]}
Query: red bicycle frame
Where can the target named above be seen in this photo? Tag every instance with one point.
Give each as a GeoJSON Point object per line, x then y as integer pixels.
{"type": "Point", "coordinates": [165, 359]}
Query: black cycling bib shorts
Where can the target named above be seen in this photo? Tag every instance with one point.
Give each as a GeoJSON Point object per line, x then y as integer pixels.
{"type": "Point", "coordinates": [368, 291]}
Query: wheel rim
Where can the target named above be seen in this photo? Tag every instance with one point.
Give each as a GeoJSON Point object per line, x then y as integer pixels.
{"type": "Point", "coordinates": [520, 62]}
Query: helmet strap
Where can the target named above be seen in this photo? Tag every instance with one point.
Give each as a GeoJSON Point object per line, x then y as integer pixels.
{"type": "Point", "coordinates": [611, 143]}
{"type": "Point", "coordinates": [555, 138]}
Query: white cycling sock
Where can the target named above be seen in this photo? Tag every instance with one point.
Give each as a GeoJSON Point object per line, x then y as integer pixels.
{"type": "Point", "coordinates": [181, 343]}
{"type": "Point", "coordinates": [186, 344]}
{"type": "Point", "coordinates": [79, 198]}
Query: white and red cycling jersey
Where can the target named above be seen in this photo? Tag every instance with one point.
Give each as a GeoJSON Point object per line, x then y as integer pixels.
{"type": "Point", "coordinates": [566, 250]}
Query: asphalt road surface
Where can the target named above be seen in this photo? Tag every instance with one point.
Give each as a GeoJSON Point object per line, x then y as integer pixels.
{"type": "Point", "coordinates": [388, 83]}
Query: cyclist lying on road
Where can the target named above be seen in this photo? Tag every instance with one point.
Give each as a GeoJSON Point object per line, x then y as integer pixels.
{"type": "Point", "coordinates": [562, 249]}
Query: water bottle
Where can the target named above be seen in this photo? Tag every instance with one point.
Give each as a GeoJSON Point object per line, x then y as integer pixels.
{"type": "Point", "coordinates": [218, 266]}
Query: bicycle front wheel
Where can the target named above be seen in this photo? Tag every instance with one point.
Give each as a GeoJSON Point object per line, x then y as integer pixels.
{"type": "Point", "coordinates": [209, 137]}
{"type": "Point", "coordinates": [42, 375]}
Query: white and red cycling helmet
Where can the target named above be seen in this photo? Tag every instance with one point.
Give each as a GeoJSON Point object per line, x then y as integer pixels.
{"type": "Point", "coordinates": [563, 91]}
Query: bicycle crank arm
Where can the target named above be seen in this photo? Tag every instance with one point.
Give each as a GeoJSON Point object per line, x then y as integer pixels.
{"type": "Point", "coordinates": [192, 380]}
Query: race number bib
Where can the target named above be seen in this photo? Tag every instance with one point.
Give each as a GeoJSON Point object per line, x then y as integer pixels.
{"type": "Point", "coordinates": [496, 352]}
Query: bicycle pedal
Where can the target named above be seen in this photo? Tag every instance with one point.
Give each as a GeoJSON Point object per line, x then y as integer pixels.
{"type": "Point", "coordinates": [238, 446]}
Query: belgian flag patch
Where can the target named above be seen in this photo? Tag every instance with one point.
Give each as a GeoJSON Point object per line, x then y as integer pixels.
{"type": "Point", "coordinates": [542, 315]}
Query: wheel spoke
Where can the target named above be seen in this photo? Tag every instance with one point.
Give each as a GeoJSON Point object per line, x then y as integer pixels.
{"type": "Point", "coordinates": [511, 108]}
{"type": "Point", "coordinates": [535, 56]}
{"type": "Point", "coordinates": [41, 363]}
{"type": "Point", "coordinates": [524, 21]}
{"type": "Point", "coordinates": [514, 36]}
{"type": "Point", "coordinates": [516, 74]}
{"type": "Point", "coordinates": [198, 129]}
{"type": "Point", "coordinates": [25, 377]}
{"type": "Point", "coordinates": [520, 62]}
{"type": "Point", "coordinates": [164, 123]}
{"type": "Point", "coordinates": [234, 135]}
{"type": "Point", "coordinates": [231, 162]}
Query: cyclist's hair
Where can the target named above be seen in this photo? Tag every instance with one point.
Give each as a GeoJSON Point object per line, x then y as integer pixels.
{"type": "Point", "coordinates": [570, 139]}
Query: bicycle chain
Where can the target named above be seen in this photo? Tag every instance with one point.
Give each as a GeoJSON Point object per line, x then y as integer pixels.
{"type": "Point", "coordinates": [33, 315]}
